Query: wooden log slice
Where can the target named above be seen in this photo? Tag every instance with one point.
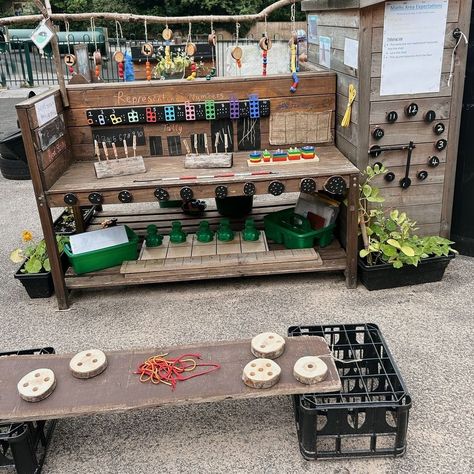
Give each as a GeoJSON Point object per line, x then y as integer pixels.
{"type": "Point", "coordinates": [190, 49]}
{"type": "Point", "coordinates": [268, 344]}
{"type": "Point", "coordinates": [37, 385]}
{"type": "Point", "coordinates": [236, 53]}
{"type": "Point", "coordinates": [261, 373]}
{"type": "Point", "coordinates": [310, 370]}
{"type": "Point", "coordinates": [88, 364]}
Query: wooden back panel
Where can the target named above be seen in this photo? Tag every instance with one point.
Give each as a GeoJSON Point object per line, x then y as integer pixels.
{"type": "Point", "coordinates": [315, 95]}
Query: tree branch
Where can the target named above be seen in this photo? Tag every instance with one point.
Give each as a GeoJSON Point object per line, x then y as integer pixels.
{"type": "Point", "coordinates": [131, 18]}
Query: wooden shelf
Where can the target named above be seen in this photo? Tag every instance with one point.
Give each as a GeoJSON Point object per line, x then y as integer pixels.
{"type": "Point", "coordinates": [331, 258]}
{"type": "Point", "coordinates": [80, 178]}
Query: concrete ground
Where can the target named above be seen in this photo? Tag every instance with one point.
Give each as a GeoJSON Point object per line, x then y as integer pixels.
{"type": "Point", "coordinates": [429, 329]}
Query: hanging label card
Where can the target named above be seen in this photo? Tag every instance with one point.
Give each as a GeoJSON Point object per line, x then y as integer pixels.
{"type": "Point", "coordinates": [413, 42]}
{"type": "Point", "coordinates": [351, 52]}
{"type": "Point", "coordinates": [46, 110]}
{"type": "Point", "coordinates": [325, 51]}
{"type": "Point", "coordinates": [42, 35]}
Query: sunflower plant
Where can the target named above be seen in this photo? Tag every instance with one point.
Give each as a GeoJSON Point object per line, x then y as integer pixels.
{"type": "Point", "coordinates": [35, 255]}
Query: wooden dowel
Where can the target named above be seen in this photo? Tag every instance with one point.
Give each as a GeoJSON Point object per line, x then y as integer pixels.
{"type": "Point", "coordinates": [125, 148]}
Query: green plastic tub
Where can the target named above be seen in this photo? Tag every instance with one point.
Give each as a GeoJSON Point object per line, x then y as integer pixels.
{"type": "Point", "coordinates": [104, 258]}
{"type": "Point", "coordinates": [294, 231]}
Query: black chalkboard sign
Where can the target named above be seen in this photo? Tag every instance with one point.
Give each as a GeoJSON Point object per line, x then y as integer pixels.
{"type": "Point", "coordinates": [174, 145]}
{"type": "Point", "coordinates": [248, 134]}
{"type": "Point", "coordinates": [156, 146]}
{"type": "Point", "coordinates": [118, 135]}
{"type": "Point", "coordinates": [50, 133]}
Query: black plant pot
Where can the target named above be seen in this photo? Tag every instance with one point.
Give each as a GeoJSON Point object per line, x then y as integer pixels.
{"type": "Point", "coordinates": [383, 276]}
{"type": "Point", "coordinates": [39, 285]}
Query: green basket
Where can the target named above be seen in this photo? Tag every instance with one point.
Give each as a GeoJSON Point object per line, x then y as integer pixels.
{"type": "Point", "coordinates": [104, 258]}
{"type": "Point", "coordinates": [294, 231]}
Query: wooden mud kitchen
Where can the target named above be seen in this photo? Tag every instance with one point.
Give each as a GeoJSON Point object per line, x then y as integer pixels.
{"type": "Point", "coordinates": [258, 139]}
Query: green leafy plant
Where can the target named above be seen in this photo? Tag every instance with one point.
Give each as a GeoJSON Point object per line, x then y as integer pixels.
{"type": "Point", "coordinates": [35, 255]}
{"type": "Point", "coordinates": [389, 236]}
{"type": "Point", "coordinates": [177, 64]}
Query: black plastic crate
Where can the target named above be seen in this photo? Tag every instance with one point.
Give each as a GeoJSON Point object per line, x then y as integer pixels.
{"type": "Point", "coordinates": [23, 446]}
{"type": "Point", "coordinates": [369, 416]}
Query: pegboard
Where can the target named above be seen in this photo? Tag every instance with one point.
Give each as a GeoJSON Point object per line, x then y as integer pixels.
{"type": "Point", "coordinates": [300, 127]}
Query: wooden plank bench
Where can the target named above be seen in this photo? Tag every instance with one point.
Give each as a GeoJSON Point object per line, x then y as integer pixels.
{"type": "Point", "coordinates": [118, 389]}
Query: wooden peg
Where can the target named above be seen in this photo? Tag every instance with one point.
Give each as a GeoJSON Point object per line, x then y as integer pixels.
{"type": "Point", "coordinates": [226, 143]}
{"type": "Point", "coordinates": [106, 152]}
{"type": "Point", "coordinates": [134, 145]}
{"type": "Point", "coordinates": [114, 148]}
{"type": "Point", "coordinates": [125, 148]}
{"type": "Point", "coordinates": [96, 149]}
{"type": "Point", "coordinates": [205, 143]}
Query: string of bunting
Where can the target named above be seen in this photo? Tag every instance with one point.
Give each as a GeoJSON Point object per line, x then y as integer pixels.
{"type": "Point", "coordinates": [169, 371]}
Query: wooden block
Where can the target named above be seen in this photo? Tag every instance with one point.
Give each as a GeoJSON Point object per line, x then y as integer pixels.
{"type": "Point", "coordinates": [120, 167]}
{"type": "Point", "coordinates": [310, 370]}
{"type": "Point", "coordinates": [259, 245]}
{"type": "Point", "coordinates": [261, 373]}
{"type": "Point", "coordinates": [213, 160]}
{"type": "Point", "coordinates": [226, 248]}
{"type": "Point", "coordinates": [269, 345]}
{"type": "Point", "coordinates": [154, 253]}
{"type": "Point", "coordinates": [88, 364]}
{"type": "Point", "coordinates": [180, 250]}
{"type": "Point", "coordinates": [37, 385]}
{"type": "Point", "coordinates": [202, 249]}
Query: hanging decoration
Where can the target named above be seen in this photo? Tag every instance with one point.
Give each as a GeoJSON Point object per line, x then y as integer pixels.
{"type": "Point", "coordinates": [147, 50]}
{"type": "Point", "coordinates": [293, 50]}
{"type": "Point", "coordinates": [129, 71]}
{"type": "Point", "coordinates": [69, 59]}
{"type": "Point", "coordinates": [190, 50]}
{"type": "Point", "coordinates": [42, 36]}
{"type": "Point", "coordinates": [237, 52]}
{"type": "Point", "coordinates": [118, 56]}
{"type": "Point", "coordinates": [265, 44]}
{"type": "Point", "coordinates": [97, 56]}
{"type": "Point", "coordinates": [212, 40]}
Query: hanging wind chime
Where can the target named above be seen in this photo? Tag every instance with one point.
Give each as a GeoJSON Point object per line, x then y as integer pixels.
{"type": "Point", "coordinates": [265, 44]}
{"type": "Point", "coordinates": [118, 56]}
{"type": "Point", "coordinates": [147, 50]}
{"type": "Point", "coordinates": [69, 59]}
{"type": "Point", "coordinates": [294, 50]}
{"type": "Point", "coordinates": [190, 50]}
{"type": "Point", "coordinates": [212, 40]}
{"type": "Point", "coordinates": [237, 52]}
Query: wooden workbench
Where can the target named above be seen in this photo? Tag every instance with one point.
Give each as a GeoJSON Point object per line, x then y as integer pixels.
{"type": "Point", "coordinates": [118, 389]}
{"type": "Point", "coordinates": [65, 167]}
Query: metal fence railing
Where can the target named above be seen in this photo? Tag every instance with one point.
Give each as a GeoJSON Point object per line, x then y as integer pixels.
{"type": "Point", "coordinates": [22, 65]}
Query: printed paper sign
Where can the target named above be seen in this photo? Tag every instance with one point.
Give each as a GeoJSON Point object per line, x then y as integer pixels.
{"type": "Point", "coordinates": [325, 51]}
{"type": "Point", "coordinates": [313, 29]}
{"type": "Point", "coordinates": [351, 52]}
{"type": "Point", "coordinates": [46, 110]}
{"type": "Point", "coordinates": [413, 42]}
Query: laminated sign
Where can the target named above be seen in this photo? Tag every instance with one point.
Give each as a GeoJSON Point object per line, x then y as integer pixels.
{"type": "Point", "coordinates": [42, 35]}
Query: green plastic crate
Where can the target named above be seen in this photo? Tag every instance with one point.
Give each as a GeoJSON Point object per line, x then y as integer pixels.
{"type": "Point", "coordinates": [104, 258]}
{"type": "Point", "coordinates": [294, 231]}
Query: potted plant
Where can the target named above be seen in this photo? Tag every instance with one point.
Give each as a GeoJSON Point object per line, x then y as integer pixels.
{"type": "Point", "coordinates": [35, 271]}
{"type": "Point", "coordinates": [172, 67]}
{"type": "Point", "coordinates": [393, 254]}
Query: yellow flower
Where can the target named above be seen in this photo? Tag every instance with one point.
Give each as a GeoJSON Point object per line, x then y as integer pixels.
{"type": "Point", "coordinates": [26, 236]}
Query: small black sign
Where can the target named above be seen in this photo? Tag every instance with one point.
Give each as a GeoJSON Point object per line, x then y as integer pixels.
{"type": "Point", "coordinates": [118, 135]}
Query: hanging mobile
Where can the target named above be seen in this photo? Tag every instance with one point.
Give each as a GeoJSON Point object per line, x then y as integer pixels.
{"type": "Point", "coordinates": [147, 50]}
{"type": "Point", "coordinates": [237, 52]}
{"type": "Point", "coordinates": [69, 59]}
{"type": "Point", "coordinates": [118, 56]}
{"type": "Point", "coordinates": [293, 50]}
{"type": "Point", "coordinates": [190, 50]}
{"type": "Point", "coordinates": [212, 40]}
{"type": "Point", "coordinates": [265, 44]}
